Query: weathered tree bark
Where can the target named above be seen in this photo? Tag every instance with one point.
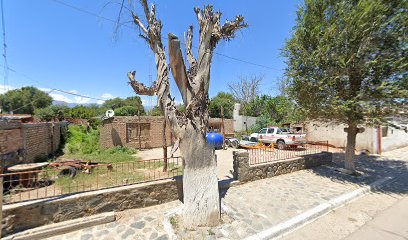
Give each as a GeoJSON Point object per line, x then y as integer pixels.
{"type": "Point", "coordinates": [350, 147]}
{"type": "Point", "coordinates": [200, 185]}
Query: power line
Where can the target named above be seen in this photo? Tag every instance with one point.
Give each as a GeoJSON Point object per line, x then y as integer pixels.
{"type": "Point", "coordinates": [3, 24]}
{"type": "Point", "coordinates": [33, 101]}
{"type": "Point", "coordinates": [113, 21]}
{"type": "Point", "coordinates": [55, 89]}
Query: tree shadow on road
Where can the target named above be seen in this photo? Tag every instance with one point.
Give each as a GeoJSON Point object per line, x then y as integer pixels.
{"type": "Point", "coordinates": [372, 168]}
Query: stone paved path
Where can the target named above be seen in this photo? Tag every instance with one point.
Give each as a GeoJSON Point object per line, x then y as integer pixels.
{"type": "Point", "coordinates": [256, 206]}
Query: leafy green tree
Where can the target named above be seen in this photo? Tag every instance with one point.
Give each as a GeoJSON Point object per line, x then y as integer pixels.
{"type": "Point", "coordinates": [222, 99]}
{"type": "Point", "coordinates": [44, 114]}
{"type": "Point", "coordinates": [347, 62]}
{"type": "Point", "coordinates": [115, 103]}
{"type": "Point", "coordinates": [60, 112]}
{"type": "Point", "coordinates": [82, 112]}
{"type": "Point", "coordinates": [126, 111]}
{"type": "Point", "coordinates": [156, 111]}
{"type": "Point", "coordinates": [279, 109]}
{"type": "Point", "coordinates": [24, 100]}
{"type": "Point", "coordinates": [263, 121]}
{"type": "Point", "coordinates": [53, 112]}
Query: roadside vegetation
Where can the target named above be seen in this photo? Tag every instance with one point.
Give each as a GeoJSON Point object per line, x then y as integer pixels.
{"type": "Point", "coordinates": [83, 144]}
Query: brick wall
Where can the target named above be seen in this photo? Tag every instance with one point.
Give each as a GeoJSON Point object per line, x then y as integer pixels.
{"type": "Point", "coordinates": [24, 142]}
{"type": "Point", "coordinates": [122, 131]}
{"type": "Point", "coordinates": [216, 123]}
{"type": "Point", "coordinates": [118, 131]}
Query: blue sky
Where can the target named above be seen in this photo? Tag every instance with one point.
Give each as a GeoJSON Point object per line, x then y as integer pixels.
{"type": "Point", "coordinates": [50, 45]}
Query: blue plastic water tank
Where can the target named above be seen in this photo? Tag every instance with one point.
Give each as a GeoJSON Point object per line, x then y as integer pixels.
{"type": "Point", "coordinates": [215, 140]}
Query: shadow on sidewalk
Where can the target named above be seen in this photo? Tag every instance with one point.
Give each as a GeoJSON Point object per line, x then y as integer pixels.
{"type": "Point", "coordinates": [373, 168]}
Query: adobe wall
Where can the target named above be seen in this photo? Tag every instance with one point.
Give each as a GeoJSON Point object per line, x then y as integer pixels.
{"type": "Point", "coordinates": [24, 142]}
{"type": "Point", "coordinates": [116, 132]}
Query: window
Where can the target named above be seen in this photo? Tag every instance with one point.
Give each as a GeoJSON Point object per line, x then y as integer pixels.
{"type": "Point", "coordinates": [384, 131]}
{"type": "Point", "coordinates": [263, 131]}
{"type": "Point", "coordinates": [132, 130]}
{"type": "Point", "coordinates": [279, 131]}
{"type": "Point", "coordinates": [270, 130]}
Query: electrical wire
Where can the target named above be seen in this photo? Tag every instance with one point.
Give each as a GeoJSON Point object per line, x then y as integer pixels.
{"type": "Point", "coordinates": [3, 24]}
{"type": "Point", "coordinates": [115, 22]}
{"type": "Point", "coordinates": [55, 89]}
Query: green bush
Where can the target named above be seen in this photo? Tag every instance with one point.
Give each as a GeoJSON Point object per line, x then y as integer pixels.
{"type": "Point", "coordinates": [84, 144]}
{"type": "Point", "coordinates": [81, 141]}
{"type": "Point", "coordinates": [126, 111]}
{"type": "Point", "coordinates": [44, 114]}
{"type": "Point", "coordinates": [120, 149]}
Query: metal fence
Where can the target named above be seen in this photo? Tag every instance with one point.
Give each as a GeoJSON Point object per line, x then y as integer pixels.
{"type": "Point", "coordinates": [52, 181]}
{"type": "Point", "coordinates": [272, 153]}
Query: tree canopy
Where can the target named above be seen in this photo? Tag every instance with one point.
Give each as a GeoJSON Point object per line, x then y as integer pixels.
{"type": "Point", "coordinates": [116, 103]}
{"type": "Point", "coordinates": [24, 100]}
{"type": "Point", "coordinates": [347, 61]}
{"type": "Point", "coordinates": [222, 99]}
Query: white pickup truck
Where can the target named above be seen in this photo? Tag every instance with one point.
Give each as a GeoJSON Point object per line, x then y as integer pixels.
{"type": "Point", "coordinates": [277, 136]}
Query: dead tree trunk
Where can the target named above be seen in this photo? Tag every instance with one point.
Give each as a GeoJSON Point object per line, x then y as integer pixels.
{"type": "Point", "coordinates": [200, 185]}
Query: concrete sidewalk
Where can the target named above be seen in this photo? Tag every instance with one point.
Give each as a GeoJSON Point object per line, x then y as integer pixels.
{"type": "Point", "coordinates": [256, 206]}
{"type": "Point", "coordinates": [390, 224]}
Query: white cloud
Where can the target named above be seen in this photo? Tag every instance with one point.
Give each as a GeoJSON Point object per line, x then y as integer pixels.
{"type": "Point", "coordinates": [81, 100]}
{"type": "Point", "coordinates": [5, 88]}
{"type": "Point", "coordinates": [107, 96]}
{"type": "Point", "coordinates": [45, 89]}
{"type": "Point", "coordinates": [61, 97]}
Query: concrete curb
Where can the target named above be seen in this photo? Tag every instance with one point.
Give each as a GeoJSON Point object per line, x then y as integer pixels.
{"type": "Point", "coordinates": [316, 212]}
{"type": "Point", "coordinates": [62, 227]}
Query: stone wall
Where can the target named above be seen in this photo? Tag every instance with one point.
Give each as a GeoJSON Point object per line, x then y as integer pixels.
{"type": "Point", "coordinates": [25, 142]}
{"type": "Point", "coordinates": [244, 172]}
{"type": "Point", "coordinates": [22, 216]}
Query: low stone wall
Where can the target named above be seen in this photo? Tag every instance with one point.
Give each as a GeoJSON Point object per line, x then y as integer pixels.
{"type": "Point", "coordinates": [244, 172]}
{"type": "Point", "coordinates": [22, 216]}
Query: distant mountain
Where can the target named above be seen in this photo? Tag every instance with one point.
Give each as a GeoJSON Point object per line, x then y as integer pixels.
{"type": "Point", "coordinates": [62, 103]}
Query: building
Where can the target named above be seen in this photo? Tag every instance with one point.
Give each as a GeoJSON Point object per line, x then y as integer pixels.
{"type": "Point", "coordinates": [147, 133]}
{"type": "Point", "coordinates": [242, 123]}
{"type": "Point", "coordinates": [373, 139]}
{"type": "Point", "coordinates": [23, 118]}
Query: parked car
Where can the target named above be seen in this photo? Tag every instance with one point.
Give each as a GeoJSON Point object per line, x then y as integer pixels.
{"type": "Point", "coordinates": [275, 135]}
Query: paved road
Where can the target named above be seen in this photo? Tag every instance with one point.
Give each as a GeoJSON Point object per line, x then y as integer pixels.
{"type": "Point", "coordinates": [390, 224]}
{"type": "Point", "coordinates": [381, 214]}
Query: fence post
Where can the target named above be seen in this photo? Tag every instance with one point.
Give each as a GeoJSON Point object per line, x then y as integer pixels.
{"type": "Point", "coordinates": [223, 127]}
{"type": "Point", "coordinates": [139, 130]}
{"type": "Point", "coordinates": [164, 145]}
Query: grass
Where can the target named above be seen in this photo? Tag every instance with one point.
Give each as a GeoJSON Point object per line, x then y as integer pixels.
{"type": "Point", "coordinates": [83, 144]}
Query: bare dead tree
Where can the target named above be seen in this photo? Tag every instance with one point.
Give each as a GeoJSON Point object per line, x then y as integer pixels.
{"type": "Point", "coordinates": [246, 88]}
{"type": "Point", "coordinates": [200, 185]}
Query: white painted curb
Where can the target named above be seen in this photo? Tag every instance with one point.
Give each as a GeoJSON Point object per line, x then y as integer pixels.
{"type": "Point", "coordinates": [314, 213]}
{"type": "Point", "coordinates": [63, 227]}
